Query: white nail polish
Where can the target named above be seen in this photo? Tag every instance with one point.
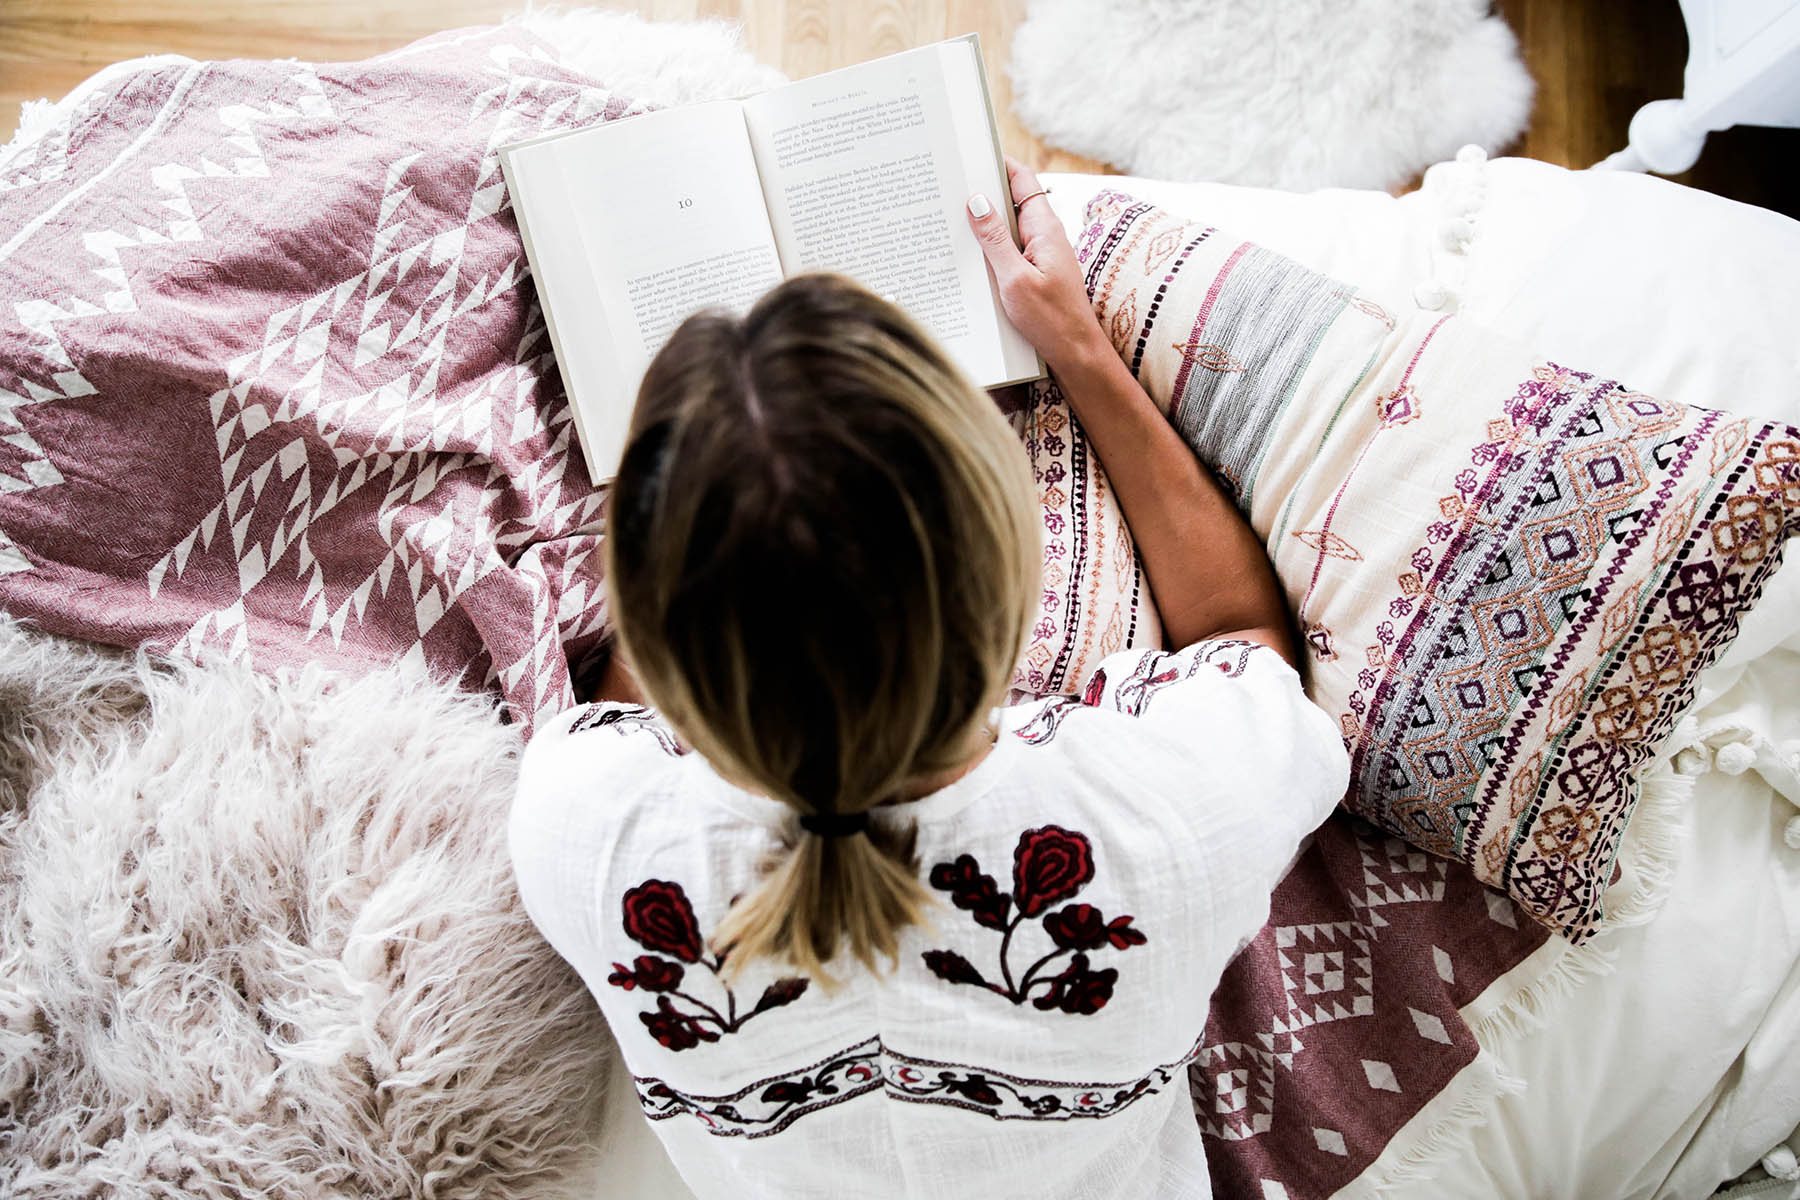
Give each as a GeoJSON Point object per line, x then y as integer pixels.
{"type": "Point", "coordinates": [978, 205]}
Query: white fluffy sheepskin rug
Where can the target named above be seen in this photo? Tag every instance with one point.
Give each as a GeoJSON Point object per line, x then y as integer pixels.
{"type": "Point", "coordinates": [663, 62]}
{"type": "Point", "coordinates": [260, 938]}
{"type": "Point", "coordinates": [1293, 94]}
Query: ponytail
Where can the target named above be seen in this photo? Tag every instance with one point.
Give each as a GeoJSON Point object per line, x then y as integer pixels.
{"type": "Point", "coordinates": [823, 894]}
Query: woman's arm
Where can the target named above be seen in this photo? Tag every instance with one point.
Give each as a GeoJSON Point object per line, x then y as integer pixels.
{"type": "Point", "coordinates": [1207, 568]}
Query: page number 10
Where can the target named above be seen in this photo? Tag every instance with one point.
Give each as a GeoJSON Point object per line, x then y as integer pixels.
{"type": "Point", "coordinates": [684, 202]}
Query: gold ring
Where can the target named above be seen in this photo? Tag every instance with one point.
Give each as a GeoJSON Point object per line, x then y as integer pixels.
{"type": "Point", "coordinates": [1017, 204]}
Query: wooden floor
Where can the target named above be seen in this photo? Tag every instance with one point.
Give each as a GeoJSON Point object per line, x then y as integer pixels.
{"type": "Point", "coordinates": [1595, 61]}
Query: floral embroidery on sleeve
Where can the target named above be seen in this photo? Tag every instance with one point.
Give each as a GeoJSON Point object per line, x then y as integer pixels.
{"type": "Point", "coordinates": [1153, 671]}
{"type": "Point", "coordinates": [1050, 864]}
{"type": "Point", "coordinates": [625, 719]}
{"type": "Point", "coordinates": [1042, 727]}
{"type": "Point", "coordinates": [659, 917]}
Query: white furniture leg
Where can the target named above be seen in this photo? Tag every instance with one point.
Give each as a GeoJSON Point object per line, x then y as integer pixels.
{"type": "Point", "coordinates": [1743, 69]}
{"type": "Point", "coordinates": [1665, 138]}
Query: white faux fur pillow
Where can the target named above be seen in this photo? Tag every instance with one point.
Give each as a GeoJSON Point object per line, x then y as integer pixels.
{"type": "Point", "coordinates": [260, 938]}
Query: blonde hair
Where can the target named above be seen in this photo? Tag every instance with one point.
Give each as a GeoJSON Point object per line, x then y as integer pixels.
{"type": "Point", "coordinates": [821, 556]}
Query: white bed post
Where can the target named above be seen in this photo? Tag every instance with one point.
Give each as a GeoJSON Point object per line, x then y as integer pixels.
{"type": "Point", "coordinates": [1743, 69]}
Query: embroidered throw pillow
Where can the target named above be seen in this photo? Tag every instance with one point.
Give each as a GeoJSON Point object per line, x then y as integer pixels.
{"type": "Point", "coordinates": [1508, 572]}
{"type": "Point", "coordinates": [1095, 599]}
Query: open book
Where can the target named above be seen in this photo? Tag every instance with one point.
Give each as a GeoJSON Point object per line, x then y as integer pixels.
{"type": "Point", "coordinates": [632, 225]}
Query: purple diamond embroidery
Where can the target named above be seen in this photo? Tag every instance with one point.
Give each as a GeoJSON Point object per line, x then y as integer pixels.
{"type": "Point", "coordinates": [1561, 545]}
{"type": "Point", "coordinates": [1440, 764]}
{"type": "Point", "coordinates": [1511, 623]}
{"type": "Point", "coordinates": [1605, 472]}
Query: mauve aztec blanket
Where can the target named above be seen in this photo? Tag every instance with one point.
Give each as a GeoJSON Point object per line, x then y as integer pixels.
{"type": "Point", "coordinates": [273, 386]}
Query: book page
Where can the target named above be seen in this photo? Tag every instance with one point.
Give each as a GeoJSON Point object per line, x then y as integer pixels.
{"type": "Point", "coordinates": [864, 173]}
{"type": "Point", "coordinates": [631, 226]}
{"type": "Point", "coordinates": [978, 141]}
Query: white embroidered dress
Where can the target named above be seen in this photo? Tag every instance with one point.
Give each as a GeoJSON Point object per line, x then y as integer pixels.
{"type": "Point", "coordinates": [1098, 869]}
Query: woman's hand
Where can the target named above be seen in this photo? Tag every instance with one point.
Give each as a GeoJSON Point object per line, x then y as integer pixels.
{"type": "Point", "coordinates": [1040, 287]}
{"type": "Point", "coordinates": [1207, 568]}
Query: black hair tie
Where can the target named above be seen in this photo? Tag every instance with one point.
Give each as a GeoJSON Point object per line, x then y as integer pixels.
{"type": "Point", "coordinates": [833, 824]}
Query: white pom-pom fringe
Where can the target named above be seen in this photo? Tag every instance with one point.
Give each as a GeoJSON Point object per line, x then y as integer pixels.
{"type": "Point", "coordinates": [1693, 760]}
{"type": "Point", "coordinates": [1734, 758]}
{"type": "Point", "coordinates": [1782, 1163]}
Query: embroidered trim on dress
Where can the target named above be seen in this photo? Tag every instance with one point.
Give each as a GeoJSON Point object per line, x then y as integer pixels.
{"type": "Point", "coordinates": [779, 1100]}
{"type": "Point", "coordinates": [1007, 1097]}
{"type": "Point", "coordinates": [1228, 656]}
{"type": "Point", "coordinates": [770, 1105]}
{"type": "Point", "coordinates": [626, 719]}
{"type": "Point", "coordinates": [1041, 728]}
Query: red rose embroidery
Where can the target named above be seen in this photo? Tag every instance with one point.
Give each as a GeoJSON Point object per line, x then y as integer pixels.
{"type": "Point", "coordinates": [1077, 927]}
{"type": "Point", "coordinates": [1079, 990]}
{"type": "Point", "coordinates": [651, 974]}
{"type": "Point", "coordinates": [951, 966]}
{"type": "Point", "coordinates": [1050, 864]}
{"type": "Point", "coordinates": [659, 917]}
{"type": "Point", "coordinates": [673, 1029]}
{"type": "Point", "coordinates": [971, 890]}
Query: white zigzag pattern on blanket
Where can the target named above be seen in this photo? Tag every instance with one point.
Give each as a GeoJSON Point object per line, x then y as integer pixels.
{"type": "Point", "coordinates": [355, 365]}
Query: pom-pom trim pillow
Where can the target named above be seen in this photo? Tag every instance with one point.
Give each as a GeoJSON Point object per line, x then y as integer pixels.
{"type": "Point", "coordinates": [1509, 573]}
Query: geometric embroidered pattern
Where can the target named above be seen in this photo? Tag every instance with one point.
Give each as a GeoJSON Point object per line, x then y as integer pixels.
{"type": "Point", "coordinates": [1327, 972]}
{"type": "Point", "coordinates": [1342, 1016]}
{"type": "Point", "coordinates": [1538, 548]}
{"type": "Point", "coordinates": [1094, 601]}
{"type": "Point", "coordinates": [1510, 572]}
